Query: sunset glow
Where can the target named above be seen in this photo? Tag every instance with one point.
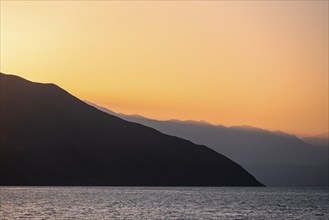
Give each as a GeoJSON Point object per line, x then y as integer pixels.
{"type": "Point", "coordinates": [263, 64]}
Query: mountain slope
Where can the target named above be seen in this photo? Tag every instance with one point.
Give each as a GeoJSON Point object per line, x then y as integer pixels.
{"type": "Point", "coordinates": [275, 158]}
{"type": "Point", "coordinates": [49, 137]}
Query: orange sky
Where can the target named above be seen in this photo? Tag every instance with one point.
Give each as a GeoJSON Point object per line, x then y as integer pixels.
{"type": "Point", "coordinates": [263, 64]}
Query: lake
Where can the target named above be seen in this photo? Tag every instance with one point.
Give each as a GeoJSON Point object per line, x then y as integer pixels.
{"type": "Point", "coordinates": [164, 203]}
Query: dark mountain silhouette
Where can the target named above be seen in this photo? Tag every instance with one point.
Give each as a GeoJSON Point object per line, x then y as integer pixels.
{"type": "Point", "coordinates": [49, 137]}
{"type": "Point", "coordinates": [274, 158]}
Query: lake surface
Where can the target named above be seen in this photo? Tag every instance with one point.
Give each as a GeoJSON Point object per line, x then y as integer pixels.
{"type": "Point", "coordinates": [163, 203]}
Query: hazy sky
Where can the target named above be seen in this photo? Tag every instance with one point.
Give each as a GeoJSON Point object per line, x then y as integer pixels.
{"type": "Point", "coordinates": [262, 64]}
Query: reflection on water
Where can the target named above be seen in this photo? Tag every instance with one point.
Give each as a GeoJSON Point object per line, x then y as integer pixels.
{"type": "Point", "coordinates": [163, 203]}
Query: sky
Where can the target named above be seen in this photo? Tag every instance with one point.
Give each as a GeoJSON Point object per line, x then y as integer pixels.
{"type": "Point", "coordinates": [257, 63]}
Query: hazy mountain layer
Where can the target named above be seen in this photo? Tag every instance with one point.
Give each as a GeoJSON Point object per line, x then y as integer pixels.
{"type": "Point", "coordinates": [321, 141]}
{"type": "Point", "coordinates": [275, 158]}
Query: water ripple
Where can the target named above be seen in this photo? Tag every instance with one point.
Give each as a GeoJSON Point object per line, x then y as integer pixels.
{"type": "Point", "coordinates": [163, 203]}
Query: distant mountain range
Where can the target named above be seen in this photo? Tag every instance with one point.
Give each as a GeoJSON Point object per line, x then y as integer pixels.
{"type": "Point", "coordinates": [275, 158]}
{"type": "Point", "coordinates": [49, 137]}
{"type": "Point", "coordinates": [320, 141]}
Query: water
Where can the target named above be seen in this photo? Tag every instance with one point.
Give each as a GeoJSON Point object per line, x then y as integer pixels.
{"type": "Point", "coordinates": [163, 203]}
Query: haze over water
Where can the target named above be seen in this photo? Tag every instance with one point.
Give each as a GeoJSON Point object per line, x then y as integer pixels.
{"type": "Point", "coordinates": [164, 203]}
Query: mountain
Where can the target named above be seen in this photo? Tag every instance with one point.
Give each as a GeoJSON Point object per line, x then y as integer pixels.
{"type": "Point", "coordinates": [321, 140]}
{"type": "Point", "coordinates": [274, 158]}
{"type": "Point", "coordinates": [49, 137]}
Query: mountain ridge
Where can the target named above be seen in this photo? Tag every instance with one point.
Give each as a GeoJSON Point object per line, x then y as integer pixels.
{"type": "Point", "coordinates": [49, 137]}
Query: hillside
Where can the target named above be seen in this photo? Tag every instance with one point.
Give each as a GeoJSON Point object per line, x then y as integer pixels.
{"type": "Point", "coordinates": [49, 137]}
